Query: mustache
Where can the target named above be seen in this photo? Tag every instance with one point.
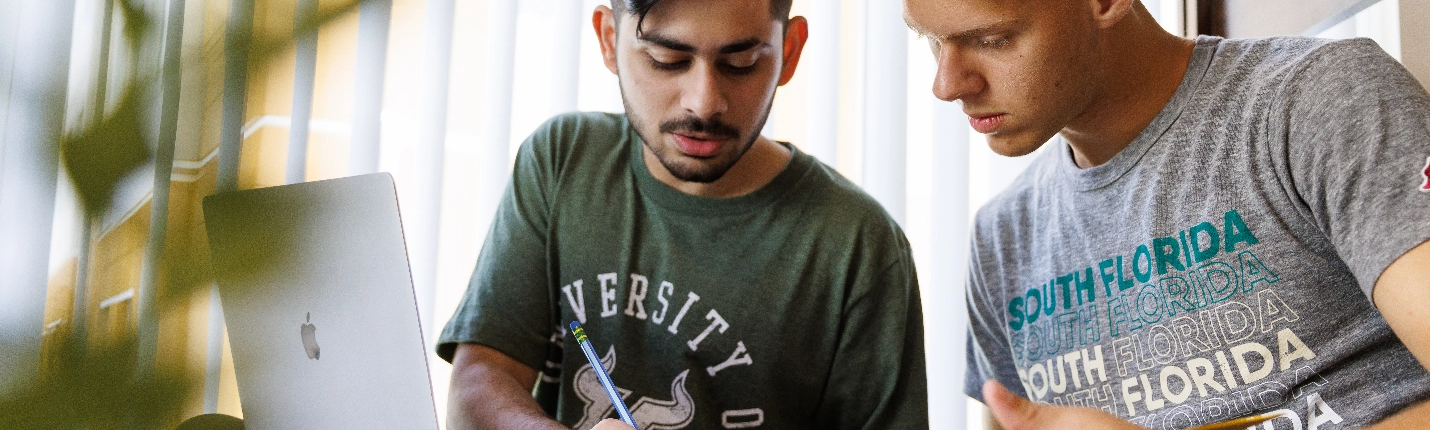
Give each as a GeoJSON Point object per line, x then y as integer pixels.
{"type": "Point", "coordinates": [692, 124]}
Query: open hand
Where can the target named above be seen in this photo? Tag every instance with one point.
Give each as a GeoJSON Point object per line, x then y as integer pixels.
{"type": "Point", "coordinates": [1016, 413]}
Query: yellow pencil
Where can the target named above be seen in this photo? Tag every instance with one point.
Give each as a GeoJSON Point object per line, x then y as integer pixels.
{"type": "Point", "coordinates": [1240, 423]}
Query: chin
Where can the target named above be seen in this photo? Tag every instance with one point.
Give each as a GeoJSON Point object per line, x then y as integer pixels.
{"type": "Point", "coordinates": [703, 175]}
{"type": "Point", "coordinates": [1012, 148]}
{"type": "Point", "coordinates": [1016, 144]}
{"type": "Point", "coordinates": [702, 170]}
{"type": "Point", "coordinates": [692, 169]}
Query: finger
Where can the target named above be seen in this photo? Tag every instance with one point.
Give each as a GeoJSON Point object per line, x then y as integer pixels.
{"type": "Point", "coordinates": [1011, 410]}
{"type": "Point", "coordinates": [611, 424]}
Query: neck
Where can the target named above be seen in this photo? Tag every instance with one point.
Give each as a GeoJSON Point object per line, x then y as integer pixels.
{"type": "Point", "coordinates": [1141, 69]}
{"type": "Point", "coordinates": [765, 160]}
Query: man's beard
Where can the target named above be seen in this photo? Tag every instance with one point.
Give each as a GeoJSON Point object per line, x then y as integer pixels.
{"type": "Point", "coordinates": [695, 172]}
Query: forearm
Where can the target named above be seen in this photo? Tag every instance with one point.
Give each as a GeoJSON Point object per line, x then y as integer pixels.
{"type": "Point", "coordinates": [1399, 293]}
{"type": "Point", "coordinates": [489, 393]}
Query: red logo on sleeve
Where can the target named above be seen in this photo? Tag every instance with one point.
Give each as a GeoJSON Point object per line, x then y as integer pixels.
{"type": "Point", "coordinates": [1425, 186]}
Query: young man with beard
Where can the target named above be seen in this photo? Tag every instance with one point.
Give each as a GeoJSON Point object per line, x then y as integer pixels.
{"type": "Point", "coordinates": [1219, 228]}
{"type": "Point", "coordinates": [724, 279]}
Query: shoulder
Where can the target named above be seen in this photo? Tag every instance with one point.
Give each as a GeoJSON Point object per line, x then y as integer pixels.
{"type": "Point", "coordinates": [579, 144]}
{"type": "Point", "coordinates": [1311, 83]}
{"type": "Point", "coordinates": [1352, 67]}
{"type": "Point", "coordinates": [586, 122]}
{"type": "Point", "coordinates": [1278, 53]}
{"type": "Point", "coordinates": [837, 207]}
{"type": "Point", "coordinates": [575, 131]}
{"type": "Point", "coordinates": [826, 188]}
{"type": "Point", "coordinates": [1299, 63]}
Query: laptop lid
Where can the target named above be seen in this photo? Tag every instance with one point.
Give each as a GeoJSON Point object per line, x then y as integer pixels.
{"type": "Point", "coordinates": [318, 299]}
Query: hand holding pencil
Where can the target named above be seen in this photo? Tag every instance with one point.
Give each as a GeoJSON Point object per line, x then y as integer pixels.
{"type": "Point", "coordinates": [616, 401]}
{"type": "Point", "coordinates": [1013, 412]}
{"type": "Point", "coordinates": [1240, 423]}
{"type": "Point", "coordinates": [1016, 413]}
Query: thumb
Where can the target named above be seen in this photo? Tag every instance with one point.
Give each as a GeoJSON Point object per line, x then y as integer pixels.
{"type": "Point", "coordinates": [1011, 410]}
{"type": "Point", "coordinates": [611, 424]}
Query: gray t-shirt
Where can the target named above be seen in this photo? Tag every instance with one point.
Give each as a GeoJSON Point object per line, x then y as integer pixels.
{"type": "Point", "coordinates": [1221, 264]}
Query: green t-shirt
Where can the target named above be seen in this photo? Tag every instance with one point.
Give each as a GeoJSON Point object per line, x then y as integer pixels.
{"type": "Point", "coordinates": [795, 306]}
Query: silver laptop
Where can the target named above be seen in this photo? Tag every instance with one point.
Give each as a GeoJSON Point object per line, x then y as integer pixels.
{"type": "Point", "coordinates": [318, 299]}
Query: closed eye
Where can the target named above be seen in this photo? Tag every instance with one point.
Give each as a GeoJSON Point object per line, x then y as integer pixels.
{"type": "Point", "coordinates": [993, 41]}
{"type": "Point", "coordinates": [743, 62]}
{"type": "Point", "coordinates": [739, 70]}
{"type": "Point", "coordinates": [671, 66]}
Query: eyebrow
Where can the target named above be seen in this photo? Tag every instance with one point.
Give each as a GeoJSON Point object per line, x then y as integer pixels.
{"type": "Point", "coordinates": [966, 34]}
{"type": "Point", "coordinates": [672, 44]}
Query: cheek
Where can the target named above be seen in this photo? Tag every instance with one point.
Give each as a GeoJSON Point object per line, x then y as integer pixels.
{"type": "Point", "coordinates": [1072, 80]}
{"type": "Point", "coordinates": [1019, 82]}
{"type": "Point", "coordinates": [752, 97]}
{"type": "Point", "coordinates": [1068, 61]}
{"type": "Point", "coordinates": [1044, 80]}
{"type": "Point", "coordinates": [648, 92]}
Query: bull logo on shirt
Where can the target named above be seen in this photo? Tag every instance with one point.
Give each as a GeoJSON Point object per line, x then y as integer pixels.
{"type": "Point", "coordinates": [1425, 185]}
{"type": "Point", "coordinates": [651, 414]}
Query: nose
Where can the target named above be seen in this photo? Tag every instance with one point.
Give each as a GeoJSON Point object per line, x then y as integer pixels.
{"type": "Point", "coordinates": [955, 80]}
{"type": "Point", "coordinates": [702, 93]}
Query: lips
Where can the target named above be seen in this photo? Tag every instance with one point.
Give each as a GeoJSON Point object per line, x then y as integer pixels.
{"type": "Point", "coordinates": [696, 146]}
{"type": "Point", "coordinates": [988, 123]}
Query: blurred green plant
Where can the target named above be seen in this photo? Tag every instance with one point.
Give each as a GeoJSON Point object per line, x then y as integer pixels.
{"type": "Point", "coordinates": [98, 156]}
{"type": "Point", "coordinates": [97, 386]}
{"type": "Point", "coordinates": [94, 391]}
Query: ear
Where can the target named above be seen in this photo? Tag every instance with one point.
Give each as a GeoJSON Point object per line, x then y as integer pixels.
{"type": "Point", "coordinates": [1107, 13]}
{"type": "Point", "coordinates": [604, 22]}
{"type": "Point", "coordinates": [796, 33]}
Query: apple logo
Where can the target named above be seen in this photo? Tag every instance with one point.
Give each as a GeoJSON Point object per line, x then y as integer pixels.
{"type": "Point", "coordinates": [310, 337]}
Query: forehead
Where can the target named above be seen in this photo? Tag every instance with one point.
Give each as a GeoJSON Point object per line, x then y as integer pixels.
{"type": "Point", "coordinates": [945, 18]}
{"type": "Point", "coordinates": [704, 22]}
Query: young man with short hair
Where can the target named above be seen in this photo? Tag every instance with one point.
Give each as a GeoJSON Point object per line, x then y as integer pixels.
{"type": "Point", "coordinates": [724, 279]}
{"type": "Point", "coordinates": [1220, 228]}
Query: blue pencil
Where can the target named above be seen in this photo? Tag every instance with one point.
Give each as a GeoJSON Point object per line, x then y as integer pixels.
{"type": "Point", "coordinates": [601, 375]}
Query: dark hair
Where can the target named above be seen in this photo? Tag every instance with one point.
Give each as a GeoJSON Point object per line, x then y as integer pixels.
{"type": "Point", "coordinates": [779, 9]}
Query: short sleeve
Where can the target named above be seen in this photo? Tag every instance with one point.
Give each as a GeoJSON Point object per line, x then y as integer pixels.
{"type": "Point", "coordinates": [879, 381]}
{"type": "Point", "coordinates": [989, 355]}
{"type": "Point", "coordinates": [1357, 133]}
{"type": "Point", "coordinates": [507, 305]}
